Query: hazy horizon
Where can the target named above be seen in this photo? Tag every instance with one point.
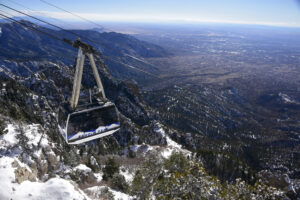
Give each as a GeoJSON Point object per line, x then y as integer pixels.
{"type": "Point", "coordinates": [264, 12]}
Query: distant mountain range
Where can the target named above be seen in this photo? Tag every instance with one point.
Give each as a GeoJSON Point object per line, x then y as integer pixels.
{"type": "Point", "coordinates": [126, 52]}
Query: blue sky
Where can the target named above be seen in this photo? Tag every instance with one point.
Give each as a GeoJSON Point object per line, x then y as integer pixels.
{"type": "Point", "coordinates": [269, 12]}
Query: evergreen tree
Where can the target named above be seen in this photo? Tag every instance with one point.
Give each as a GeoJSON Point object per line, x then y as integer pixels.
{"type": "Point", "coordinates": [111, 167]}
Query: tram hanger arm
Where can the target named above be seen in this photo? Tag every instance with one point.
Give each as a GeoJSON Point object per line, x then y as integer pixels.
{"type": "Point", "coordinates": [85, 47]}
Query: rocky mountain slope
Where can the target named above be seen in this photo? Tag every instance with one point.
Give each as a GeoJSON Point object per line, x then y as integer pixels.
{"type": "Point", "coordinates": [224, 125]}
{"type": "Point", "coordinates": [141, 161]}
{"type": "Point", "coordinates": [125, 52]}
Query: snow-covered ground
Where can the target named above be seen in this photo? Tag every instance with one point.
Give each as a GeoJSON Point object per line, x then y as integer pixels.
{"type": "Point", "coordinates": [128, 175]}
{"type": "Point", "coordinates": [96, 191]}
{"type": "Point", "coordinates": [165, 152]}
{"type": "Point", "coordinates": [83, 167]}
{"type": "Point", "coordinates": [32, 132]}
{"type": "Point", "coordinates": [54, 188]}
{"type": "Point", "coordinates": [172, 146]}
{"type": "Point", "coordinates": [11, 157]}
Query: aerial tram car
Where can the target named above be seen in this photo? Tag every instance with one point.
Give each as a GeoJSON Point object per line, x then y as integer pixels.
{"type": "Point", "coordinates": [93, 119]}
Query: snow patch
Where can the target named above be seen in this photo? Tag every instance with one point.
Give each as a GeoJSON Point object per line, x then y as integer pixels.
{"type": "Point", "coordinates": [9, 139]}
{"type": "Point", "coordinates": [94, 191]}
{"type": "Point", "coordinates": [35, 97]}
{"type": "Point", "coordinates": [144, 148]}
{"type": "Point", "coordinates": [286, 98]}
{"type": "Point", "coordinates": [98, 176]}
{"type": "Point", "coordinates": [134, 148]}
{"type": "Point", "coordinates": [55, 188]}
{"type": "Point", "coordinates": [120, 195]}
{"type": "Point", "coordinates": [128, 176]}
{"type": "Point", "coordinates": [225, 146]}
{"type": "Point", "coordinates": [83, 168]}
{"type": "Point", "coordinates": [166, 153]}
{"type": "Point", "coordinates": [33, 133]}
{"type": "Point", "coordinates": [172, 146]}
